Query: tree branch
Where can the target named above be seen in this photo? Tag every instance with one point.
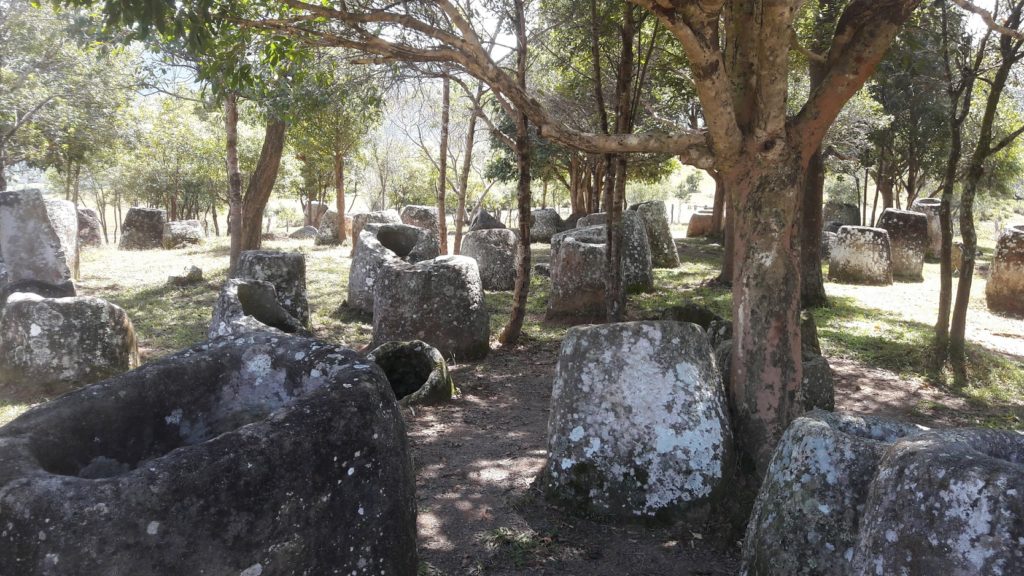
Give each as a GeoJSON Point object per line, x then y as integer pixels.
{"type": "Point", "coordinates": [989, 20]}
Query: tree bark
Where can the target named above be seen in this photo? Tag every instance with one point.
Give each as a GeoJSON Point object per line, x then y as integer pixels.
{"type": "Point", "coordinates": [442, 177]}
{"type": "Point", "coordinates": [718, 209]}
{"type": "Point", "coordinates": [615, 177]}
{"type": "Point", "coordinates": [467, 163]}
{"type": "Point", "coordinates": [766, 356]}
{"type": "Point", "coordinates": [513, 330]}
{"type": "Point", "coordinates": [812, 284]}
{"type": "Point", "coordinates": [339, 195]}
{"type": "Point", "coordinates": [261, 183]}
{"type": "Point", "coordinates": [234, 181]}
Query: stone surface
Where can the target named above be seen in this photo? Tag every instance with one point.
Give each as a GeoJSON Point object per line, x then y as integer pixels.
{"type": "Point", "coordinates": [250, 456]}
{"type": "Point", "coordinates": [543, 270]}
{"type": "Point", "coordinates": [191, 275]}
{"type": "Point", "coordinates": [638, 426]}
{"type": "Point", "coordinates": [861, 255]}
{"type": "Point", "coordinates": [421, 217]}
{"type": "Point", "coordinates": [807, 515]}
{"type": "Point", "coordinates": [439, 301]}
{"type": "Point", "coordinates": [577, 276]}
{"type": "Point", "coordinates": [1005, 290]}
{"type": "Point", "coordinates": [544, 223]}
{"type": "Point", "coordinates": [416, 371]}
{"type": "Point", "coordinates": [930, 208]}
{"type": "Point", "coordinates": [3, 276]}
{"type": "Point", "coordinates": [381, 245]}
{"type": "Point", "coordinates": [304, 233]}
{"type": "Point", "coordinates": [182, 233]}
{"type": "Point", "coordinates": [637, 270]}
{"type": "Point", "coordinates": [818, 386]}
{"type": "Point", "coordinates": [693, 313]}
{"type": "Point", "coordinates": [143, 229]}
{"type": "Point", "coordinates": [908, 241]}
{"type": "Point", "coordinates": [659, 235]}
{"type": "Point", "coordinates": [361, 220]}
{"type": "Point", "coordinates": [44, 289]}
{"type": "Point", "coordinates": [49, 346]}
{"type": "Point", "coordinates": [700, 224]}
{"type": "Point", "coordinates": [946, 502]}
{"type": "Point", "coordinates": [38, 238]}
{"type": "Point", "coordinates": [495, 253]}
{"type": "Point", "coordinates": [246, 305]}
{"type": "Point", "coordinates": [286, 271]}
{"type": "Point", "coordinates": [484, 221]}
{"type": "Point", "coordinates": [843, 212]}
{"type": "Point", "coordinates": [90, 229]}
{"type": "Point", "coordinates": [828, 240]}
{"type": "Point", "coordinates": [327, 232]}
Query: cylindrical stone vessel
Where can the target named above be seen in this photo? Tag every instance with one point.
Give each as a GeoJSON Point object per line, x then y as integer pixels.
{"type": "Point", "coordinates": [638, 426]}
{"type": "Point", "coordinates": [861, 255]}
{"type": "Point", "coordinates": [930, 208]}
{"type": "Point", "coordinates": [808, 510]}
{"type": "Point", "coordinates": [908, 241]}
{"type": "Point", "coordinates": [700, 224]}
{"type": "Point", "coordinates": [1005, 290]}
{"type": "Point", "coordinates": [495, 253]}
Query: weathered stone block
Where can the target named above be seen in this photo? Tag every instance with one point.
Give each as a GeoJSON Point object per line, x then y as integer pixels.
{"type": "Point", "coordinates": [845, 213]}
{"type": "Point", "coordinates": [908, 240]}
{"type": "Point", "coordinates": [930, 208]}
{"type": "Point", "coordinates": [1005, 289]}
{"type": "Point", "coordinates": [380, 245]}
{"type": "Point", "coordinates": [439, 301]}
{"type": "Point", "coordinates": [638, 426]}
{"type": "Point", "coordinates": [544, 223]}
{"type": "Point", "coordinates": [249, 456]}
{"type": "Point", "coordinates": [700, 224]}
{"type": "Point", "coordinates": [637, 271]}
{"type": "Point", "coordinates": [182, 233]}
{"type": "Point", "coordinates": [946, 502]}
{"type": "Point", "coordinates": [38, 238]}
{"type": "Point", "coordinates": [861, 255]}
{"type": "Point", "coordinates": [484, 221]}
{"type": "Point", "coordinates": [361, 220]}
{"type": "Point", "coordinates": [286, 271]}
{"type": "Point", "coordinates": [90, 229]}
{"type": "Point", "coordinates": [807, 516]}
{"type": "Point", "coordinates": [421, 217]}
{"type": "Point", "coordinates": [49, 346]}
{"type": "Point", "coordinates": [577, 276]}
{"type": "Point", "coordinates": [143, 229]}
{"type": "Point", "coordinates": [416, 371]}
{"type": "Point", "coordinates": [659, 234]}
{"type": "Point", "coordinates": [495, 253]}
{"type": "Point", "coordinates": [304, 233]}
{"type": "Point", "coordinates": [327, 232]}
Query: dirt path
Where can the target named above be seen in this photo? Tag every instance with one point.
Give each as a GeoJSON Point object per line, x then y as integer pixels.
{"type": "Point", "coordinates": [476, 459]}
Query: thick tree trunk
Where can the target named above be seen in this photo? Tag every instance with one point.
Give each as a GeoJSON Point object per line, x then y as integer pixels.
{"type": "Point", "coordinates": [513, 330]}
{"type": "Point", "coordinates": [766, 356]}
{"type": "Point", "coordinates": [234, 180]}
{"type": "Point", "coordinates": [261, 183]}
{"type": "Point", "coordinates": [442, 177]}
{"type": "Point", "coordinates": [728, 253]}
{"type": "Point", "coordinates": [812, 284]}
{"type": "Point", "coordinates": [339, 195]}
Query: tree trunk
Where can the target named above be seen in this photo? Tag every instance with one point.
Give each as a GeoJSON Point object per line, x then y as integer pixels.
{"type": "Point", "coordinates": [725, 276]}
{"type": "Point", "coordinates": [766, 356]}
{"type": "Point", "coordinates": [339, 195]}
{"type": "Point", "coordinates": [442, 178]}
{"type": "Point", "coordinates": [261, 183]}
{"type": "Point", "coordinates": [467, 164]}
{"type": "Point", "coordinates": [3, 167]}
{"type": "Point", "coordinates": [812, 284]}
{"type": "Point", "coordinates": [718, 209]}
{"type": "Point", "coordinates": [234, 181]}
{"type": "Point", "coordinates": [958, 325]}
{"type": "Point", "coordinates": [512, 331]}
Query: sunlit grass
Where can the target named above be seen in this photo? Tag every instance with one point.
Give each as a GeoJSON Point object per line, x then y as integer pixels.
{"type": "Point", "coordinates": [882, 327]}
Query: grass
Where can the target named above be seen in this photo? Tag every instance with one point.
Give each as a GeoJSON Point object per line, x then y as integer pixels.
{"type": "Point", "coordinates": [883, 327]}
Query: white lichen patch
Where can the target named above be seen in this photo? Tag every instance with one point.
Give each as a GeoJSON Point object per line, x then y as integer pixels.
{"type": "Point", "coordinates": [640, 404]}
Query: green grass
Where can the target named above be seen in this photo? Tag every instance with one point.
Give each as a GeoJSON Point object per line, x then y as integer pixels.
{"type": "Point", "coordinates": [517, 548]}
{"type": "Point", "coordinates": [168, 319]}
